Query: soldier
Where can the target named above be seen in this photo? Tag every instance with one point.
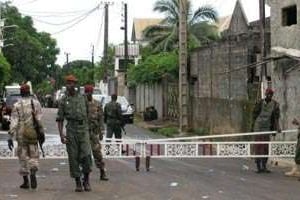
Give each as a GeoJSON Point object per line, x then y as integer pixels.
{"type": "Point", "coordinates": [22, 127]}
{"type": "Point", "coordinates": [295, 170]}
{"type": "Point", "coordinates": [266, 115]}
{"type": "Point", "coordinates": [96, 127]}
{"type": "Point", "coordinates": [113, 118]}
{"type": "Point", "coordinates": [73, 108]}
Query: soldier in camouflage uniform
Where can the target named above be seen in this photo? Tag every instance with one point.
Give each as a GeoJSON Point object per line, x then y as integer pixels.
{"type": "Point", "coordinates": [113, 118]}
{"type": "Point", "coordinates": [73, 108]}
{"type": "Point", "coordinates": [296, 168]}
{"type": "Point", "coordinates": [96, 127]}
{"type": "Point", "coordinates": [22, 128]}
{"type": "Point", "coordinates": [266, 115]}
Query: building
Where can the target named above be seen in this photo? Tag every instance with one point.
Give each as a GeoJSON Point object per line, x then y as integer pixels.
{"type": "Point", "coordinates": [285, 41]}
{"type": "Point", "coordinates": [222, 80]}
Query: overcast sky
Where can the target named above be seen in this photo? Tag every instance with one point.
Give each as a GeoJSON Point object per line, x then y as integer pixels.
{"type": "Point", "coordinates": [53, 16]}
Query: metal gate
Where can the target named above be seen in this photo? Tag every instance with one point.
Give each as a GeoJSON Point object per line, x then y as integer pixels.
{"type": "Point", "coordinates": [212, 146]}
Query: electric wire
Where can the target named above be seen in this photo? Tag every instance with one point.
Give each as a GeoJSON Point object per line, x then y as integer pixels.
{"type": "Point", "coordinates": [75, 23]}
{"type": "Point", "coordinates": [66, 22]}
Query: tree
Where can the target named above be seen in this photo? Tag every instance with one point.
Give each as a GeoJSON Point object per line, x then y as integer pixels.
{"type": "Point", "coordinates": [153, 68]}
{"type": "Point", "coordinates": [165, 36]}
{"type": "Point", "coordinates": [33, 53]}
{"type": "Point", "coordinates": [4, 71]}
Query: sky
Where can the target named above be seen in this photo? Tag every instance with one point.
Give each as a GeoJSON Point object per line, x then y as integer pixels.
{"type": "Point", "coordinates": [60, 17]}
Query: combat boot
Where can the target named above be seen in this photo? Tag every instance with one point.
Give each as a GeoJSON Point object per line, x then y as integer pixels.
{"type": "Point", "coordinates": [294, 172]}
{"type": "Point", "coordinates": [103, 176]}
{"type": "Point", "coordinates": [33, 181]}
{"type": "Point", "coordinates": [78, 185]}
{"type": "Point", "coordinates": [25, 184]}
{"type": "Point", "coordinates": [86, 182]}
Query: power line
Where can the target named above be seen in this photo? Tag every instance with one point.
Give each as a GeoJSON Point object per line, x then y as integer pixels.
{"type": "Point", "coordinates": [66, 22]}
{"type": "Point", "coordinates": [75, 23]}
{"type": "Point", "coordinates": [100, 31]}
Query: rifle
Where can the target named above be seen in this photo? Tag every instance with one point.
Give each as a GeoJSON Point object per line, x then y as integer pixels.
{"type": "Point", "coordinates": [39, 129]}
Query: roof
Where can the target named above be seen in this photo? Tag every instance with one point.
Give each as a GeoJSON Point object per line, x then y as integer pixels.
{"type": "Point", "coordinates": [223, 23]}
{"type": "Point", "coordinates": [140, 24]}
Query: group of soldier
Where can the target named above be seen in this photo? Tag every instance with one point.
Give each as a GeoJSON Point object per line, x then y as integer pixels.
{"type": "Point", "coordinates": [84, 130]}
{"type": "Point", "coordinates": [85, 126]}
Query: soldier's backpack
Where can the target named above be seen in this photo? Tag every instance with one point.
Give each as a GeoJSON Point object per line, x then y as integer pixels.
{"type": "Point", "coordinates": [26, 127]}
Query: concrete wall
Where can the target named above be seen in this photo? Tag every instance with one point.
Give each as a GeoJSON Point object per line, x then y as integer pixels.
{"type": "Point", "coordinates": [285, 78]}
{"type": "Point", "coordinates": [149, 95]}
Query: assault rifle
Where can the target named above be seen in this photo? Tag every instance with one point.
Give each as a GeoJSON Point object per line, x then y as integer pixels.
{"type": "Point", "coordinates": [39, 129]}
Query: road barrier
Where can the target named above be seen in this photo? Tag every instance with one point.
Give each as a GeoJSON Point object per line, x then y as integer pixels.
{"type": "Point", "coordinates": [211, 146]}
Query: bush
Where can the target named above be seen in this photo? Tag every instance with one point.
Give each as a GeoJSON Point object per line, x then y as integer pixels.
{"type": "Point", "coordinates": [201, 131]}
{"type": "Point", "coordinates": [168, 131]}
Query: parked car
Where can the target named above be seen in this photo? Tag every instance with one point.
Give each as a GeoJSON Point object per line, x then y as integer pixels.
{"type": "Point", "coordinates": [127, 109]}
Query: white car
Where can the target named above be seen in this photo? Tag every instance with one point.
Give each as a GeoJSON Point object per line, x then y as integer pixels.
{"type": "Point", "coordinates": [127, 109]}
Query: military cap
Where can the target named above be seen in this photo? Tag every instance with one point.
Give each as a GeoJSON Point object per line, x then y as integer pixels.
{"type": "Point", "coordinates": [71, 77]}
{"type": "Point", "coordinates": [88, 89]}
{"type": "Point", "coordinates": [24, 88]}
{"type": "Point", "coordinates": [269, 91]}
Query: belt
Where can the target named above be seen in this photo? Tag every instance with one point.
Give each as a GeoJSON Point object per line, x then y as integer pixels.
{"type": "Point", "coordinates": [79, 122]}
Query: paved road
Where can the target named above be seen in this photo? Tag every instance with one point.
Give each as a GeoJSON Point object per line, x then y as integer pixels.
{"type": "Point", "coordinates": [176, 179]}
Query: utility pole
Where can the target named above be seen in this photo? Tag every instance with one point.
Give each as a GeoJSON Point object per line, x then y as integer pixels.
{"type": "Point", "coordinates": [125, 39]}
{"type": "Point", "coordinates": [183, 82]}
{"type": "Point", "coordinates": [93, 52]}
{"type": "Point", "coordinates": [263, 74]}
{"type": "Point", "coordinates": [105, 53]}
{"type": "Point", "coordinates": [67, 59]}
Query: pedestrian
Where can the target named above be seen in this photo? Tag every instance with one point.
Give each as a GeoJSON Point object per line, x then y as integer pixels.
{"type": "Point", "coordinates": [73, 108]}
{"type": "Point", "coordinates": [22, 127]}
{"type": "Point", "coordinates": [113, 118]}
{"type": "Point", "coordinates": [266, 115]}
{"type": "Point", "coordinates": [96, 128]}
{"type": "Point", "coordinates": [296, 168]}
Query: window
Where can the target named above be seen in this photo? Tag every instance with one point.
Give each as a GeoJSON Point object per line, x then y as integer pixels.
{"type": "Point", "coordinates": [289, 15]}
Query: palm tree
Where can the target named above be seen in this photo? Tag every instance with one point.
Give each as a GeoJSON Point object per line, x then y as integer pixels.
{"type": "Point", "coordinates": [164, 36]}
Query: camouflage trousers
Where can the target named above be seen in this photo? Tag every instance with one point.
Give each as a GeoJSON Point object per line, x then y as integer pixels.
{"type": "Point", "coordinates": [28, 155]}
{"type": "Point", "coordinates": [96, 149]}
{"type": "Point", "coordinates": [297, 153]}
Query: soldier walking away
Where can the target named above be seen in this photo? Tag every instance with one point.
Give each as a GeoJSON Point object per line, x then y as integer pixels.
{"type": "Point", "coordinates": [73, 108]}
{"type": "Point", "coordinates": [96, 128]}
{"type": "Point", "coordinates": [266, 115]}
{"type": "Point", "coordinates": [296, 168]}
{"type": "Point", "coordinates": [113, 118]}
{"type": "Point", "coordinates": [22, 128]}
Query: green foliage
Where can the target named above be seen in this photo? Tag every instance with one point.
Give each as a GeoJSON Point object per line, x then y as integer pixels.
{"type": "Point", "coordinates": [201, 131]}
{"type": "Point", "coordinates": [168, 131]}
{"type": "Point", "coordinates": [44, 87]}
{"type": "Point", "coordinates": [153, 68]}
{"type": "Point", "coordinates": [4, 71]}
{"type": "Point", "coordinates": [32, 52]}
{"type": "Point", "coordinates": [165, 36]}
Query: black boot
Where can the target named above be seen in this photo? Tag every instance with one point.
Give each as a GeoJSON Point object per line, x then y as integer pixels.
{"type": "Point", "coordinates": [86, 182]}
{"type": "Point", "coordinates": [103, 176]}
{"type": "Point", "coordinates": [33, 181]}
{"type": "Point", "coordinates": [78, 185]}
{"type": "Point", "coordinates": [25, 184]}
{"type": "Point", "coordinates": [258, 166]}
{"type": "Point", "coordinates": [264, 167]}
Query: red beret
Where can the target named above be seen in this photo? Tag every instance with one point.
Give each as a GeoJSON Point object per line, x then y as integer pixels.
{"type": "Point", "coordinates": [88, 88]}
{"type": "Point", "coordinates": [269, 91]}
{"type": "Point", "coordinates": [24, 88]}
{"type": "Point", "coordinates": [71, 78]}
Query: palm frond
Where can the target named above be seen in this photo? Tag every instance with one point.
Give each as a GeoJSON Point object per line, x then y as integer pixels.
{"type": "Point", "coordinates": [205, 13]}
{"type": "Point", "coordinates": [169, 7]}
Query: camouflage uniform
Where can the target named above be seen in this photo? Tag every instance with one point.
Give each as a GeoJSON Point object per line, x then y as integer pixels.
{"type": "Point", "coordinates": [27, 150]}
{"type": "Point", "coordinates": [297, 153]}
{"type": "Point", "coordinates": [74, 110]}
{"type": "Point", "coordinates": [265, 116]}
{"type": "Point", "coordinates": [96, 127]}
{"type": "Point", "coordinates": [113, 119]}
